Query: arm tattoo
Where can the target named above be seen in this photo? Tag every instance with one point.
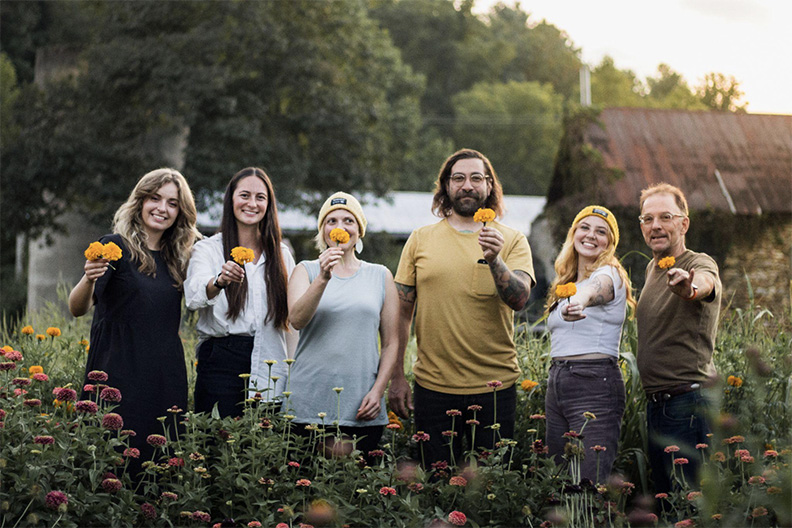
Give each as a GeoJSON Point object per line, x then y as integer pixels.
{"type": "Point", "coordinates": [406, 293]}
{"type": "Point", "coordinates": [604, 292]}
{"type": "Point", "coordinates": [514, 287]}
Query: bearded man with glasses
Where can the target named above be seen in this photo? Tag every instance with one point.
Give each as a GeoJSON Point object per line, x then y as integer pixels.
{"type": "Point", "coordinates": [677, 317]}
{"type": "Point", "coordinates": [463, 281]}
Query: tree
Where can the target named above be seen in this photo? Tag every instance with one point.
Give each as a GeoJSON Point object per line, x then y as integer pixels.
{"type": "Point", "coordinates": [670, 90]}
{"type": "Point", "coordinates": [517, 125]}
{"type": "Point", "coordinates": [611, 86]}
{"type": "Point", "coordinates": [721, 92]}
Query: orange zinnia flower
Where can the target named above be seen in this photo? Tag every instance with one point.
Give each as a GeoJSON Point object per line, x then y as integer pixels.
{"type": "Point", "coordinates": [53, 331]}
{"type": "Point", "coordinates": [242, 255]}
{"type": "Point", "coordinates": [484, 215]}
{"type": "Point", "coordinates": [666, 262]}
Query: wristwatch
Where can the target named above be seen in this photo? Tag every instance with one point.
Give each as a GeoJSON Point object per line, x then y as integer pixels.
{"type": "Point", "coordinates": [217, 284]}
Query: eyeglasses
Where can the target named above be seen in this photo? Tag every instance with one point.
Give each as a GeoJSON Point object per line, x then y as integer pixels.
{"type": "Point", "coordinates": [665, 218]}
{"type": "Point", "coordinates": [476, 178]}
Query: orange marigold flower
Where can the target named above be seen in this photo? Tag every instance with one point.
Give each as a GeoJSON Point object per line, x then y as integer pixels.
{"type": "Point", "coordinates": [666, 262]}
{"type": "Point", "coordinates": [528, 385]}
{"type": "Point", "coordinates": [566, 290]}
{"type": "Point", "coordinates": [111, 251]}
{"type": "Point", "coordinates": [35, 369]}
{"type": "Point", "coordinates": [27, 330]}
{"type": "Point", "coordinates": [339, 235]}
{"type": "Point", "coordinates": [734, 381]}
{"type": "Point", "coordinates": [53, 331]}
{"type": "Point", "coordinates": [484, 215]}
{"type": "Point", "coordinates": [41, 337]}
{"type": "Point", "coordinates": [242, 255]}
{"type": "Point", "coordinates": [94, 251]}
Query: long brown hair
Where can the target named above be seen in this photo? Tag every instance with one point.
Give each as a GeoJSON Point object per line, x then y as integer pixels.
{"type": "Point", "coordinates": [177, 240]}
{"type": "Point", "coordinates": [441, 203]}
{"type": "Point", "coordinates": [274, 265]}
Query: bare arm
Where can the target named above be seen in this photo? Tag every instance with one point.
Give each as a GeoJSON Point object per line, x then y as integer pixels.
{"type": "Point", "coordinates": [304, 295]}
{"type": "Point", "coordinates": [81, 296]}
{"type": "Point", "coordinates": [389, 352]}
{"type": "Point", "coordinates": [400, 394]}
{"type": "Point", "coordinates": [598, 291]}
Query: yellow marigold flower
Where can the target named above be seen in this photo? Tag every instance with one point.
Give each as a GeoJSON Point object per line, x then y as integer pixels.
{"type": "Point", "coordinates": [111, 251]}
{"type": "Point", "coordinates": [566, 290]}
{"type": "Point", "coordinates": [53, 331]}
{"type": "Point", "coordinates": [734, 381]}
{"type": "Point", "coordinates": [484, 215]}
{"type": "Point", "coordinates": [83, 342]}
{"type": "Point", "coordinates": [339, 235]}
{"type": "Point", "coordinates": [41, 337]}
{"type": "Point", "coordinates": [35, 369]}
{"type": "Point", "coordinates": [666, 262]}
{"type": "Point", "coordinates": [242, 255]}
{"type": "Point", "coordinates": [528, 385]}
{"type": "Point", "coordinates": [27, 330]}
{"type": "Point", "coordinates": [94, 251]}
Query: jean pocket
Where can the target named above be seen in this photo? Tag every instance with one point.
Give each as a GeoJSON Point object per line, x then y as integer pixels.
{"type": "Point", "coordinates": [682, 409]}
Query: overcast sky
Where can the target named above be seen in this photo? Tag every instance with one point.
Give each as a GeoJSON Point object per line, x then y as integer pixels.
{"type": "Point", "coordinates": [749, 39]}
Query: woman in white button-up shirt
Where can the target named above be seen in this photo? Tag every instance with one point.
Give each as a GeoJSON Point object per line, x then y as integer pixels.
{"type": "Point", "coordinates": [243, 310]}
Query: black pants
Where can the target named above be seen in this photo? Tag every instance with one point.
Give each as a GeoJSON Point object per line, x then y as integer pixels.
{"type": "Point", "coordinates": [431, 417]}
{"type": "Point", "coordinates": [220, 362]}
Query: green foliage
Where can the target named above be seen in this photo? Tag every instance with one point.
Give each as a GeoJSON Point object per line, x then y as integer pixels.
{"type": "Point", "coordinates": [248, 469]}
{"type": "Point", "coordinates": [721, 92]}
{"type": "Point", "coordinates": [518, 126]}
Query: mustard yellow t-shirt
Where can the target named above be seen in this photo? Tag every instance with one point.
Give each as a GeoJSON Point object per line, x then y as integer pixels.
{"type": "Point", "coordinates": [465, 332]}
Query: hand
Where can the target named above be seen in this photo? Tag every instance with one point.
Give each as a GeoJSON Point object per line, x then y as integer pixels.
{"type": "Point", "coordinates": [231, 272]}
{"type": "Point", "coordinates": [491, 242]}
{"type": "Point", "coordinates": [681, 282]}
{"type": "Point", "coordinates": [400, 396]}
{"type": "Point", "coordinates": [572, 310]}
{"type": "Point", "coordinates": [369, 407]}
{"type": "Point", "coordinates": [328, 260]}
{"type": "Point", "coordinates": [95, 269]}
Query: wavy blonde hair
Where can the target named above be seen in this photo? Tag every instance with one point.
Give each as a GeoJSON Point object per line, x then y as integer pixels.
{"type": "Point", "coordinates": [566, 268]}
{"type": "Point", "coordinates": [177, 240]}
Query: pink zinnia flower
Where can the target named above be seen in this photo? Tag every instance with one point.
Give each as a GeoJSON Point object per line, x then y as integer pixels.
{"type": "Point", "coordinates": [494, 384]}
{"type": "Point", "coordinates": [756, 479]}
{"type": "Point", "coordinates": [387, 490]}
{"type": "Point", "coordinates": [771, 453]}
{"type": "Point", "coordinates": [128, 432]}
{"type": "Point", "coordinates": [13, 355]}
{"type": "Point", "coordinates": [449, 433]}
{"type": "Point", "coordinates": [474, 408]}
{"type": "Point", "coordinates": [537, 417]}
{"type": "Point", "coordinates": [281, 525]}
{"type": "Point", "coordinates": [132, 452]}
{"type": "Point", "coordinates": [97, 375]}
{"type": "Point", "coordinates": [454, 412]}
{"type": "Point", "coordinates": [65, 394]}
{"type": "Point", "coordinates": [473, 422]}
{"type": "Point", "coordinates": [110, 394]}
{"type": "Point", "coordinates": [393, 426]}
{"type": "Point", "coordinates": [32, 402]}
{"type": "Point", "coordinates": [661, 496]}
{"type": "Point", "coordinates": [156, 440]}
{"type": "Point", "coordinates": [43, 440]}
{"type": "Point", "coordinates": [86, 406]}
{"type": "Point", "coordinates": [680, 461]}
{"type": "Point", "coordinates": [200, 516]}
{"type": "Point", "coordinates": [457, 481]}
{"type": "Point", "coordinates": [6, 366]}
{"type": "Point", "coordinates": [40, 376]}
{"type": "Point", "coordinates": [112, 421]}
{"type": "Point", "coordinates": [416, 487]}
{"type": "Point", "coordinates": [420, 436]}
{"type": "Point", "coordinates": [176, 462]}
{"type": "Point", "coordinates": [761, 511]}
{"type": "Point", "coordinates": [148, 510]}
{"type": "Point", "coordinates": [739, 453]}
{"type": "Point", "coordinates": [687, 523]}
{"type": "Point", "coordinates": [571, 434]}
{"type": "Point", "coordinates": [598, 448]}
{"type": "Point", "coordinates": [169, 495]}
{"type": "Point", "coordinates": [294, 464]}
{"type": "Point", "coordinates": [19, 392]}
{"type": "Point", "coordinates": [89, 387]}
{"type": "Point", "coordinates": [303, 483]}
{"type": "Point", "coordinates": [748, 459]}
{"type": "Point", "coordinates": [671, 449]}
{"type": "Point", "coordinates": [693, 495]}
{"type": "Point", "coordinates": [22, 382]}
{"type": "Point", "coordinates": [457, 518]}
{"type": "Point", "coordinates": [111, 485]}
{"type": "Point", "coordinates": [55, 499]}
{"type": "Point", "coordinates": [376, 453]}
{"type": "Point", "coordinates": [254, 524]}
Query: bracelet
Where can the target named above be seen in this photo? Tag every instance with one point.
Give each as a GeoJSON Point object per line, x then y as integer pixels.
{"type": "Point", "coordinates": [217, 284]}
{"type": "Point", "coordinates": [695, 292]}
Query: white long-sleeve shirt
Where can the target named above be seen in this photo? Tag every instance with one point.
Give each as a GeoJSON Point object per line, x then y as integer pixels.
{"type": "Point", "coordinates": [269, 342]}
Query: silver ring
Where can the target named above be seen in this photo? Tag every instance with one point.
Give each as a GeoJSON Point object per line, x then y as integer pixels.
{"type": "Point", "coordinates": [226, 272]}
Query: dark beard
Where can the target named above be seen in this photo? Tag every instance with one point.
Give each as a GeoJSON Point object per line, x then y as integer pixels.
{"type": "Point", "coordinates": [467, 207]}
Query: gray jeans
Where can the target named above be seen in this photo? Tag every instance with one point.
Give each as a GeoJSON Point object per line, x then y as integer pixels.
{"type": "Point", "coordinates": [575, 387]}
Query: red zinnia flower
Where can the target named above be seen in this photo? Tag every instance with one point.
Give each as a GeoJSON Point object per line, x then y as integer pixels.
{"type": "Point", "coordinates": [156, 440]}
{"type": "Point", "coordinates": [112, 421]}
{"type": "Point", "coordinates": [43, 440]}
{"type": "Point", "coordinates": [65, 394]}
{"type": "Point", "coordinates": [457, 518]}
{"type": "Point", "coordinates": [148, 510]}
{"type": "Point", "coordinates": [55, 498]}
{"type": "Point", "coordinates": [111, 485]}
{"type": "Point", "coordinates": [680, 461]}
{"type": "Point", "coordinates": [97, 375]}
{"type": "Point", "coordinates": [132, 452]}
{"type": "Point", "coordinates": [387, 490]}
{"type": "Point", "coordinates": [86, 406]}
{"type": "Point", "coordinates": [110, 394]}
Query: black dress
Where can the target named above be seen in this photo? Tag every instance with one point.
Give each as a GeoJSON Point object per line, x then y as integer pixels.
{"type": "Point", "coordinates": [135, 340]}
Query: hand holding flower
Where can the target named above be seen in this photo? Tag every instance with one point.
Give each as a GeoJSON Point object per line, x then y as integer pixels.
{"type": "Point", "coordinates": [328, 260]}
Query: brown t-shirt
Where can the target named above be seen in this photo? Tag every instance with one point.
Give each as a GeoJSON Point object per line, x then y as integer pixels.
{"type": "Point", "coordinates": [676, 338]}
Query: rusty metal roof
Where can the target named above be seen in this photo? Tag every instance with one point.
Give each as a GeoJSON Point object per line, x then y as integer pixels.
{"type": "Point", "coordinates": [722, 161]}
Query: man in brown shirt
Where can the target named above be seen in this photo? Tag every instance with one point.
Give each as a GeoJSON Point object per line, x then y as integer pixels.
{"type": "Point", "coordinates": [677, 317]}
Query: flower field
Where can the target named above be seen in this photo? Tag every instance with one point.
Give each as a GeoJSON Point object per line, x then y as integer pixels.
{"type": "Point", "coordinates": [63, 461]}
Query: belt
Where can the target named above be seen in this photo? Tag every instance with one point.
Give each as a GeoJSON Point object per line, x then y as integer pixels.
{"type": "Point", "coordinates": [667, 394]}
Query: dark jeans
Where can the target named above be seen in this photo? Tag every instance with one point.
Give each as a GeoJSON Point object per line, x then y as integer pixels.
{"type": "Point", "coordinates": [680, 421]}
{"type": "Point", "coordinates": [431, 418]}
{"type": "Point", "coordinates": [220, 362]}
{"type": "Point", "coordinates": [574, 387]}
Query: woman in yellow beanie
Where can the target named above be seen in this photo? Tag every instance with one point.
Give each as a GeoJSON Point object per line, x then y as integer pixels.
{"type": "Point", "coordinates": [346, 310]}
{"type": "Point", "coordinates": [585, 390]}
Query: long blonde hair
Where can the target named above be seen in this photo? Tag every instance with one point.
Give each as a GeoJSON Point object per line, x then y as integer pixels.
{"type": "Point", "coordinates": [566, 268]}
{"type": "Point", "coordinates": [177, 240]}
